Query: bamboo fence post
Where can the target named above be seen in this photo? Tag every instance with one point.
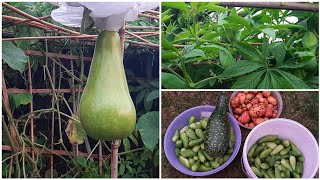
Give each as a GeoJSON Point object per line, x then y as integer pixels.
{"type": "Point", "coordinates": [114, 158]}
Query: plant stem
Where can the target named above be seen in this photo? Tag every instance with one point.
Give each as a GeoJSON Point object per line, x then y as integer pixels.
{"type": "Point", "coordinates": [134, 150]}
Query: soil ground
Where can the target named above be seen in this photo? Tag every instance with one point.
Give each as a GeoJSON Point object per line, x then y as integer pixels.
{"type": "Point", "coordinates": [299, 106]}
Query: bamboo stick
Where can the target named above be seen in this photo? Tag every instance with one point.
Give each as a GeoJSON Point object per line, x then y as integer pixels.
{"type": "Point", "coordinates": [148, 16]}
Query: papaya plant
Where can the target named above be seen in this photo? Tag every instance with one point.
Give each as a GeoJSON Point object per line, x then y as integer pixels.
{"type": "Point", "coordinates": [206, 45]}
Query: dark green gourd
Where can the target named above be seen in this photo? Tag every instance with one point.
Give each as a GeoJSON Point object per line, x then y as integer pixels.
{"type": "Point", "coordinates": [217, 134]}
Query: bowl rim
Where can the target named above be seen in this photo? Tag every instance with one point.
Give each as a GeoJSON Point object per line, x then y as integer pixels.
{"type": "Point", "coordinates": [197, 173]}
{"type": "Point", "coordinates": [244, 156]}
{"type": "Point", "coordinates": [236, 92]}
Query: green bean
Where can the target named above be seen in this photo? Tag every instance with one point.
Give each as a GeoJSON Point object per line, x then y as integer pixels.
{"type": "Point", "coordinates": [277, 141]}
{"type": "Point", "coordinates": [252, 149]}
{"type": "Point", "coordinates": [282, 174]}
{"type": "Point", "coordinates": [194, 126]}
{"type": "Point", "coordinates": [295, 149]}
{"type": "Point", "coordinates": [196, 148]}
{"type": "Point", "coordinates": [272, 160]}
{"type": "Point", "coordinates": [179, 144]}
{"type": "Point", "coordinates": [195, 166]}
{"type": "Point", "coordinates": [214, 164]}
{"type": "Point", "coordinates": [270, 173]}
{"type": "Point", "coordinates": [277, 172]}
{"type": "Point", "coordinates": [299, 167]}
{"type": "Point", "coordinates": [177, 151]}
{"type": "Point", "coordinates": [264, 166]}
{"type": "Point", "coordinates": [195, 142]}
{"type": "Point", "coordinates": [258, 150]}
{"type": "Point", "coordinates": [187, 153]}
{"type": "Point", "coordinates": [268, 158]}
{"type": "Point", "coordinates": [271, 145]}
{"type": "Point", "coordinates": [221, 160]}
{"type": "Point", "coordinates": [183, 130]}
{"type": "Point", "coordinates": [265, 175]}
{"type": "Point", "coordinates": [204, 123]}
{"type": "Point", "coordinates": [300, 158]}
{"type": "Point", "coordinates": [202, 146]}
{"type": "Point", "coordinates": [204, 168]}
{"type": "Point", "coordinates": [199, 133]}
{"type": "Point", "coordinates": [191, 161]}
{"type": "Point", "coordinates": [176, 136]}
{"type": "Point", "coordinates": [192, 119]}
{"type": "Point", "coordinates": [257, 162]}
{"type": "Point", "coordinates": [277, 149]}
{"type": "Point", "coordinates": [251, 160]}
{"type": "Point", "coordinates": [201, 156]}
{"type": "Point", "coordinates": [285, 143]}
{"type": "Point", "coordinates": [265, 153]}
{"type": "Point", "coordinates": [256, 171]}
{"type": "Point", "coordinates": [286, 164]}
{"type": "Point", "coordinates": [285, 151]}
{"type": "Point", "coordinates": [226, 157]}
{"type": "Point", "coordinates": [269, 138]}
{"type": "Point", "coordinates": [295, 175]}
{"type": "Point", "coordinates": [207, 156]}
{"type": "Point", "coordinates": [287, 173]}
{"type": "Point", "coordinates": [184, 161]}
{"type": "Point", "coordinates": [232, 137]}
{"type": "Point", "coordinates": [185, 140]}
{"type": "Point", "coordinates": [230, 151]}
{"type": "Point", "coordinates": [196, 158]}
{"type": "Point", "coordinates": [207, 164]}
{"type": "Point", "coordinates": [191, 134]}
{"type": "Point", "coordinates": [293, 161]}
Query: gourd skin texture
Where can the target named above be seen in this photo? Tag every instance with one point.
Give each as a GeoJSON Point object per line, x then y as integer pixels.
{"type": "Point", "coordinates": [106, 109]}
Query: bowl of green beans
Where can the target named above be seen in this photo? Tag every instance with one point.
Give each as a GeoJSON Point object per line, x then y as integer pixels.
{"type": "Point", "coordinates": [280, 149]}
{"type": "Point", "coordinates": [184, 148]}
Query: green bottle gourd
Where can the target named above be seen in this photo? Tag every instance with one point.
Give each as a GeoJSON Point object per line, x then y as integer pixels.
{"type": "Point", "coordinates": [106, 108]}
{"type": "Point", "coordinates": [217, 134]}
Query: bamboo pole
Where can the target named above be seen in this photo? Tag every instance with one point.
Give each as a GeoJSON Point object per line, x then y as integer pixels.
{"type": "Point", "coordinates": [152, 12]}
{"type": "Point", "coordinates": [141, 27]}
{"type": "Point", "coordinates": [114, 158]}
{"type": "Point", "coordinates": [148, 16]}
{"type": "Point", "coordinates": [57, 152]}
{"type": "Point", "coordinates": [274, 5]}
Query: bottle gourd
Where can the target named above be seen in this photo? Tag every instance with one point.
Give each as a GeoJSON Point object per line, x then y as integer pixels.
{"type": "Point", "coordinates": [106, 108]}
{"type": "Point", "coordinates": [217, 134]}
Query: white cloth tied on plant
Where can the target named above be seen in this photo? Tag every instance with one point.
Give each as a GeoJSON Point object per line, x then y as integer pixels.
{"type": "Point", "coordinates": [108, 16]}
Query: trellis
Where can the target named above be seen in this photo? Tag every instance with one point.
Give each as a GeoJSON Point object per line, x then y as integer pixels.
{"type": "Point", "coordinates": [125, 35]}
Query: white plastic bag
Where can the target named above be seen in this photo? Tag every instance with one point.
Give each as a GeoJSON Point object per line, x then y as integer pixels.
{"type": "Point", "coordinates": [106, 15]}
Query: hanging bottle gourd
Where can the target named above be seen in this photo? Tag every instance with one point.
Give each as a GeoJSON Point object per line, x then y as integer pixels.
{"type": "Point", "coordinates": [106, 108]}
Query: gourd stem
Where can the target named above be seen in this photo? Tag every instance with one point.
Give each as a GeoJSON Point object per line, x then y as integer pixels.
{"type": "Point", "coordinates": [114, 158]}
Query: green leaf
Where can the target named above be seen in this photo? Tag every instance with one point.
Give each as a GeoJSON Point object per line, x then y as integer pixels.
{"type": "Point", "coordinates": [249, 81]}
{"type": "Point", "coordinates": [194, 53]}
{"type": "Point", "coordinates": [153, 95]}
{"type": "Point", "coordinates": [167, 45]}
{"type": "Point", "coordinates": [27, 31]}
{"type": "Point", "coordinates": [249, 51]}
{"type": "Point", "coordinates": [82, 161]}
{"type": "Point", "coordinates": [176, 5]}
{"type": "Point", "coordinates": [171, 81]}
{"type": "Point", "coordinates": [279, 51]}
{"type": "Point", "coordinates": [147, 104]}
{"type": "Point", "coordinates": [126, 144]}
{"type": "Point", "coordinates": [278, 82]}
{"type": "Point", "coordinates": [265, 83]}
{"type": "Point", "coordinates": [211, 81]}
{"type": "Point", "coordinates": [226, 59]}
{"type": "Point", "coordinates": [166, 18]}
{"type": "Point", "coordinates": [148, 126]}
{"type": "Point", "coordinates": [236, 19]}
{"type": "Point", "coordinates": [121, 169]}
{"type": "Point", "coordinates": [240, 68]}
{"type": "Point", "coordinates": [14, 56]}
{"type": "Point", "coordinates": [19, 99]}
{"type": "Point", "coordinates": [292, 79]}
{"type": "Point", "coordinates": [211, 6]}
{"type": "Point", "coordinates": [270, 32]}
{"type": "Point", "coordinates": [266, 47]}
{"type": "Point", "coordinates": [282, 26]}
{"type": "Point", "coordinates": [140, 96]}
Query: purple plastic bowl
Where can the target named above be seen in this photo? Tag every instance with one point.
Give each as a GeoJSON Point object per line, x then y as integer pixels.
{"type": "Point", "coordinates": [183, 120]}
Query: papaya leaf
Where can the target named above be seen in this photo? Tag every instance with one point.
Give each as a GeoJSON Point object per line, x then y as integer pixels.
{"type": "Point", "coordinates": [14, 56]}
{"type": "Point", "coordinates": [240, 68]}
{"type": "Point", "coordinates": [148, 126]}
{"type": "Point", "coordinates": [294, 81]}
{"type": "Point", "coordinates": [249, 81]}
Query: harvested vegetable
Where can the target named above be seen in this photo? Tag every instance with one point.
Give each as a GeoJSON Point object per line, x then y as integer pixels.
{"type": "Point", "coordinates": [257, 107]}
{"type": "Point", "coordinates": [190, 149]}
{"type": "Point", "coordinates": [271, 157]}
